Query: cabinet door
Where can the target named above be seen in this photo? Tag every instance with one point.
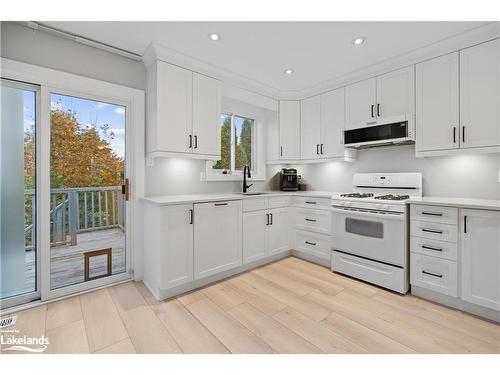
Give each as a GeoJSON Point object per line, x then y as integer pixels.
{"type": "Point", "coordinates": [360, 100]}
{"type": "Point", "coordinates": [332, 124]}
{"type": "Point", "coordinates": [396, 95]}
{"type": "Point", "coordinates": [217, 237]}
{"type": "Point", "coordinates": [279, 230]}
{"type": "Point", "coordinates": [310, 122]}
{"type": "Point", "coordinates": [290, 129]}
{"type": "Point", "coordinates": [437, 104]}
{"type": "Point", "coordinates": [480, 95]}
{"type": "Point", "coordinates": [481, 258]}
{"type": "Point", "coordinates": [206, 115]}
{"type": "Point", "coordinates": [169, 108]}
{"type": "Point", "coordinates": [255, 236]}
{"type": "Point", "coordinates": [177, 253]}
{"type": "Point", "coordinates": [273, 136]}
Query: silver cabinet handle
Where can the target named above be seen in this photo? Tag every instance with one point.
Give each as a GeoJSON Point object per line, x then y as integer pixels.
{"type": "Point", "coordinates": [432, 274]}
{"type": "Point", "coordinates": [432, 248]}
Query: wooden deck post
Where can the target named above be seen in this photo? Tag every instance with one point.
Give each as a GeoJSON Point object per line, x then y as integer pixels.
{"type": "Point", "coordinates": [74, 215]}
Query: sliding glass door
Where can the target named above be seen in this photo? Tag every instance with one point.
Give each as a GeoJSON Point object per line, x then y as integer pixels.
{"type": "Point", "coordinates": [19, 251]}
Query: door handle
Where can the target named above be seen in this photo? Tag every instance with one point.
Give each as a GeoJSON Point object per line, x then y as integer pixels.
{"type": "Point", "coordinates": [190, 141]}
{"type": "Point", "coordinates": [454, 134]}
{"type": "Point", "coordinates": [267, 219]}
{"type": "Point", "coordinates": [463, 133]}
{"type": "Point", "coordinates": [311, 243]}
{"type": "Point", "coordinates": [378, 110]}
{"type": "Point", "coordinates": [371, 111]}
{"type": "Point", "coordinates": [432, 274]}
{"type": "Point", "coordinates": [317, 148]}
{"type": "Point", "coordinates": [312, 220]}
{"type": "Point", "coordinates": [190, 216]}
{"type": "Point", "coordinates": [321, 149]}
{"type": "Point", "coordinates": [271, 216]}
{"type": "Point", "coordinates": [431, 248]}
{"type": "Point", "coordinates": [220, 204]}
{"type": "Point", "coordinates": [432, 231]}
{"type": "Point", "coordinates": [281, 150]}
{"type": "Point", "coordinates": [310, 202]}
{"type": "Point", "coordinates": [432, 213]}
{"type": "Point", "coordinates": [195, 141]}
{"type": "Point", "coordinates": [465, 224]}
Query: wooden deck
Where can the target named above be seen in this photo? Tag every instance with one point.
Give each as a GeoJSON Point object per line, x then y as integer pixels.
{"type": "Point", "coordinates": [66, 262]}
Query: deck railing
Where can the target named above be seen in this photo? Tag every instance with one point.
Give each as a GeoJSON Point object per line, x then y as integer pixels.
{"type": "Point", "coordinates": [76, 210]}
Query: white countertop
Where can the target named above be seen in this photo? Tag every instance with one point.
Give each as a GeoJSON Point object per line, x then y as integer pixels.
{"type": "Point", "coordinates": [197, 198]}
{"type": "Point", "coordinates": [481, 204]}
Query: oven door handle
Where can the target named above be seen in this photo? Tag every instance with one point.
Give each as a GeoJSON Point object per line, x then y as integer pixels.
{"type": "Point", "coordinates": [367, 215]}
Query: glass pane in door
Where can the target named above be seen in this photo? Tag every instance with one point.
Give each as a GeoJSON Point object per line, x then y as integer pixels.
{"type": "Point", "coordinates": [87, 169]}
{"type": "Point", "coordinates": [18, 250]}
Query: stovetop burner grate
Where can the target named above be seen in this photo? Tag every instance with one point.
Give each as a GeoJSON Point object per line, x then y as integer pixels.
{"type": "Point", "coordinates": [357, 195]}
{"type": "Point", "coordinates": [392, 197]}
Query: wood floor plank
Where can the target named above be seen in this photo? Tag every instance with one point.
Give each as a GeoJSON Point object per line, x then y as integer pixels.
{"type": "Point", "coordinates": [226, 298]}
{"type": "Point", "coordinates": [126, 296]}
{"type": "Point", "coordinates": [192, 336]}
{"type": "Point", "coordinates": [230, 332]}
{"type": "Point", "coordinates": [280, 338]}
{"type": "Point", "coordinates": [122, 347]}
{"type": "Point", "coordinates": [63, 312]}
{"type": "Point", "coordinates": [283, 280]}
{"type": "Point", "coordinates": [313, 282]}
{"type": "Point", "coordinates": [147, 333]}
{"type": "Point", "coordinates": [145, 292]}
{"type": "Point", "coordinates": [255, 297]}
{"type": "Point", "coordinates": [191, 297]}
{"type": "Point", "coordinates": [68, 339]}
{"type": "Point", "coordinates": [372, 341]}
{"type": "Point", "coordinates": [314, 332]}
{"type": "Point", "coordinates": [307, 307]}
{"type": "Point", "coordinates": [102, 321]}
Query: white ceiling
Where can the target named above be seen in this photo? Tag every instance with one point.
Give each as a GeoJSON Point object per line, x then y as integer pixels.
{"type": "Point", "coordinates": [261, 51]}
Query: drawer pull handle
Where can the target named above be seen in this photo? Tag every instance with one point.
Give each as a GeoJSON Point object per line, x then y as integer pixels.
{"type": "Point", "coordinates": [310, 202]}
{"type": "Point", "coordinates": [311, 243]}
{"type": "Point", "coordinates": [432, 231]}
{"type": "Point", "coordinates": [432, 213]}
{"type": "Point", "coordinates": [313, 220]}
{"type": "Point", "coordinates": [431, 248]}
{"type": "Point", "coordinates": [220, 204]}
{"type": "Point", "coordinates": [432, 274]}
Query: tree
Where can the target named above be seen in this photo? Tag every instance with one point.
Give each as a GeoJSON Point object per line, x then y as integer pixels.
{"type": "Point", "coordinates": [244, 146]}
{"type": "Point", "coordinates": [225, 160]}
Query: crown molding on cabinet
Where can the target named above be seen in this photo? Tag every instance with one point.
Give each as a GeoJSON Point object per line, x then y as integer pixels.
{"type": "Point", "coordinates": [467, 39]}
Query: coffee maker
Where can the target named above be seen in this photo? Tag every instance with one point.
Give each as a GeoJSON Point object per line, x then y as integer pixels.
{"type": "Point", "coordinates": [289, 180]}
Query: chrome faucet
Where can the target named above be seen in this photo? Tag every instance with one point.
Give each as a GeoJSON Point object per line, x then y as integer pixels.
{"type": "Point", "coordinates": [245, 171]}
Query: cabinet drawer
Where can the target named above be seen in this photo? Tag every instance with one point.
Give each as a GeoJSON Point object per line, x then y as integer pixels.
{"type": "Point", "coordinates": [437, 214]}
{"type": "Point", "coordinates": [434, 231]}
{"type": "Point", "coordinates": [276, 202]}
{"type": "Point", "coordinates": [438, 249]}
{"type": "Point", "coordinates": [311, 201]}
{"type": "Point", "coordinates": [313, 220]}
{"type": "Point", "coordinates": [439, 275]}
{"type": "Point", "coordinates": [313, 243]}
{"type": "Point", "coordinates": [254, 204]}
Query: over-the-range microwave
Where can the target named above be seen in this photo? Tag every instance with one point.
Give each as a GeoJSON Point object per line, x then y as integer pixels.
{"type": "Point", "coordinates": [399, 132]}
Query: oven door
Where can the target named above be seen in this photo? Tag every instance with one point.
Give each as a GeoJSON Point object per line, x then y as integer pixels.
{"type": "Point", "coordinates": [373, 235]}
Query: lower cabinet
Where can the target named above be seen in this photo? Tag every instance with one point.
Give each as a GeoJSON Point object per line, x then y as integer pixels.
{"type": "Point", "coordinates": [217, 237]}
{"type": "Point", "coordinates": [318, 245]}
{"type": "Point", "coordinates": [438, 275]}
{"type": "Point", "coordinates": [265, 232]}
{"type": "Point", "coordinates": [481, 257]}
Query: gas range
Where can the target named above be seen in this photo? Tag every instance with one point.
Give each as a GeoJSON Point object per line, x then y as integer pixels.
{"type": "Point", "coordinates": [370, 228]}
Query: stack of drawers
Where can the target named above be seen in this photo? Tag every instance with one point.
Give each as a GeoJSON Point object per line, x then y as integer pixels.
{"type": "Point", "coordinates": [312, 224]}
{"type": "Point", "coordinates": [433, 248]}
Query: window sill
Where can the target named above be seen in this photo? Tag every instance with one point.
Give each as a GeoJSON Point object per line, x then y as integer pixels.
{"type": "Point", "coordinates": [229, 177]}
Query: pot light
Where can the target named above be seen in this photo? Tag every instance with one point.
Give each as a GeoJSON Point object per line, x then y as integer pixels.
{"type": "Point", "coordinates": [214, 36]}
{"type": "Point", "coordinates": [288, 71]}
{"type": "Point", "coordinates": [358, 41]}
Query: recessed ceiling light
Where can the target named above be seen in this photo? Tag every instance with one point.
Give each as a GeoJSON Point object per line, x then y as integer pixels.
{"type": "Point", "coordinates": [358, 41]}
{"type": "Point", "coordinates": [288, 71]}
{"type": "Point", "coordinates": [214, 36]}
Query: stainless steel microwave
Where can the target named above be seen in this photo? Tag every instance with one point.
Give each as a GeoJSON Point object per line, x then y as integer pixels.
{"type": "Point", "coordinates": [400, 132]}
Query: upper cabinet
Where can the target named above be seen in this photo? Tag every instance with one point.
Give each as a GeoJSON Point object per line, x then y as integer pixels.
{"type": "Point", "coordinates": [310, 132]}
{"type": "Point", "coordinates": [457, 101]}
{"type": "Point", "coordinates": [480, 95]}
{"type": "Point", "coordinates": [183, 111]}
{"type": "Point", "coordinates": [289, 115]}
{"type": "Point", "coordinates": [383, 99]}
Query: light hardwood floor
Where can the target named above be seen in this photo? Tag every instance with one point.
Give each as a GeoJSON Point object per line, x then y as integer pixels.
{"type": "Point", "coordinates": [290, 306]}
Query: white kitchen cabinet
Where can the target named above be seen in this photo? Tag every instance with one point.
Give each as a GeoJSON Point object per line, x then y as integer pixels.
{"type": "Point", "coordinates": [437, 104]}
{"type": "Point", "coordinates": [384, 99]}
{"type": "Point", "coordinates": [206, 116]}
{"type": "Point", "coordinates": [480, 95]}
{"type": "Point", "coordinates": [332, 124]}
{"type": "Point", "coordinates": [360, 101]}
{"type": "Point", "coordinates": [272, 137]}
{"type": "Point", "coordinates": [255, 235]}
{"type": "Point", "coordinates": [168, 246]}
{"type": "Point", "coordinates": [183, 113]}
{"type": "Point", "coordinates": [279, 230]}
{"type": "Point", "coordinates": [310, 128]}
{"type": "Point", "coordinates": [217, 237]}
{"type": "Point", "coordinates": [480, 248]}
{"type": "Point", "coordinates": [289, 119]}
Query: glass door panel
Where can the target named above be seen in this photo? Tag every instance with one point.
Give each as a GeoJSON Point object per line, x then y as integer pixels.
{"type": "Point", "coordinates": [18, 240]}
{"type": "Point", "coordinates": [87, 170]}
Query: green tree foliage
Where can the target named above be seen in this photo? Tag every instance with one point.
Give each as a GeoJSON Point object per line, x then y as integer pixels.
{"type": "Point", "coordinates": [225, 161]}
{"type": "Point", "coordinates": [244, 146]}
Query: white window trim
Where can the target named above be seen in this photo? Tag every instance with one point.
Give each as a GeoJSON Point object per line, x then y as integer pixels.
{"type": "Point", "coordinates": [258, 146]}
